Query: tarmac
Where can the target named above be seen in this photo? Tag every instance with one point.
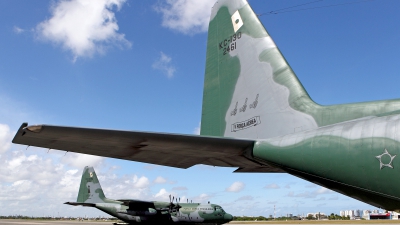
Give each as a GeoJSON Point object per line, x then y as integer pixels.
{"type": "Point", "coordinates": [69, 222]}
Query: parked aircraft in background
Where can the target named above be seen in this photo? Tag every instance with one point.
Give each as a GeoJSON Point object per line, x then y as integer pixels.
{"type": "Point", "coordinates": [137, 211]}
{"type": "Point", "coordinates": [257, 117]}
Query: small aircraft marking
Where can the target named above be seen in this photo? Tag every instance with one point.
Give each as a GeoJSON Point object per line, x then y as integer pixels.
{"type": "Point", "coordinates": [379, 157]}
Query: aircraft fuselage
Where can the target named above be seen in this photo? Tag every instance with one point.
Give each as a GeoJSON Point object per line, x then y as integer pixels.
{"type": "Point", "coordinates": [187, 213]}
{"type": "Point", "coordinates": [356, 158]}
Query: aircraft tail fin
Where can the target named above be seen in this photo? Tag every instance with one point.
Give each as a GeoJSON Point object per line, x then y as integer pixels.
{"type": "Point", "coordinates": [250, 91]}
{"type": "Point", "coordinates": [90, 190]}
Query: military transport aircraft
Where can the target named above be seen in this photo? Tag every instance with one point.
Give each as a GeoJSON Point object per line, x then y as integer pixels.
{"type": "Point", "coordinates": [258, 117]}
{"type": "Point", "coordinates": [136, 211]}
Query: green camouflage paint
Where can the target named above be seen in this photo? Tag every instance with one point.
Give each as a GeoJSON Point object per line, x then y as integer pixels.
{"type": "Point", "coordinates": [147, 212]}
{"type": "Point", "coordinates": [360, 154]}
{"type": "Point", "coordinates": [223, 73]}
{"type": "Point", "coordinates": [251, 92]}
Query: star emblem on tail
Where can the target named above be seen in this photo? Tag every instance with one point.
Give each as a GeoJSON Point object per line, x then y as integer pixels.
{"type": "Point", "coordinates": [379, 157]}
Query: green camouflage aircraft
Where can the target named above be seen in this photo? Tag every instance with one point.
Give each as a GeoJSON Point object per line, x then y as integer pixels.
{"type": "Point", "coordinates": [136, 211]}
{"type": "Point", "coordinates": [258, 117]}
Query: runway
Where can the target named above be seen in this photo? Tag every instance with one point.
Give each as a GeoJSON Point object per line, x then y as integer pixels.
{"type": "Point", "coordinates": [45, 222]}
{"type": "Point", "coordinates": [71, 222]}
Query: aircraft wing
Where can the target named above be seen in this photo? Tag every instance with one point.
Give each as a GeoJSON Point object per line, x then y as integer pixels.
{"type": "Point", "coordinates": [175, 150]}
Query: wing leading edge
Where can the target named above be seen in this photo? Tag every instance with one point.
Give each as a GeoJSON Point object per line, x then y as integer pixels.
{"type": "Point", "coordinates": [174, 150]}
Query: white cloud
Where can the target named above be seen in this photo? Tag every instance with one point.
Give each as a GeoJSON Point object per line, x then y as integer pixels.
{"type": "Point", "coordinates": [272, 186]}
{"type": "Point", "coordinates": [312, 194]}
{"type": "Point", "coordinates": [5, 138]}
{"type": "Point", "coordinates": [323, 190]}
{"type": "Point", "coordinates": [186, 16]}
{"type": "Point", "coordinates": [236, 187]}
{"type": "Point", "coordinates": [18, 30]}
{"type": "Point", "coordinates": [142, 182]}
{"type": "Point", "coordinates": [201, 198]}
{"type": "Point", "coordinates": [83, 27]}
{"type": "Point", "coordinates": [33, 177]}
{"type": "Point", "coordinates": [245, 198]}
{"type": "Point", "coordinates": [127, 186]}
{"type": "Point", "coordinates": [162, 195]}
{"type": "Point", "coordinates": [181, 188]}
{"type": "Point", "coordinates": [79, 161]}
{"type": "Point", "coordinates": [160, 180]}
{"type": "Point", "coordinates": [164, 65]}
{"type": "Point", "coordinates": [43, 180]}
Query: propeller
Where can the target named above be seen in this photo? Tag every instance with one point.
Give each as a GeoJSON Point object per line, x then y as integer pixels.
{"type": "Point", "coordinates": [171, 204]}
{"type": "Point", "coordinates": [177, 203]}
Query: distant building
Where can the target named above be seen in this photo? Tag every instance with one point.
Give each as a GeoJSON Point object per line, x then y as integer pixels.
{"type": "Point", "coordinates": [395, 215]}
{"type": "Point", "coordinates": [366, 211]}
{"type": "Point", "coordinates": [365, 214]}
{"type": "Point", "coordinates": [349, 213]}
{"type": "Point", "coordinates": [371, 214]}
{"type": "Point", "coordinates": [357, 213]}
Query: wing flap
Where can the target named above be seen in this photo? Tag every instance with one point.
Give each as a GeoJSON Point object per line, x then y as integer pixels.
{"type": "Point", "coordinates": [175, 150]}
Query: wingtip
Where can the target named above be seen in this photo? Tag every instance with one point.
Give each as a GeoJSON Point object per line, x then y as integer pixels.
{"type": "Point", "coordinates": [20, 132]}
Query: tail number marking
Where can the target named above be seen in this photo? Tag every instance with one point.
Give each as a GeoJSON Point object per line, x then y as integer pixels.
{"type": "Point", "coordinates": [246, 124]}
{"type": "Point", "coordinates": [229, 44]}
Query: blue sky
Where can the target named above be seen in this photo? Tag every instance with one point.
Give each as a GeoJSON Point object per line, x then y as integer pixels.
{"type": "Point", "coordinates": [143, 69]}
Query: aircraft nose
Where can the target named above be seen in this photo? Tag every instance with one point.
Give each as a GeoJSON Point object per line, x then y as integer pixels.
{"type": "Point", "coordinates": [228, 217]}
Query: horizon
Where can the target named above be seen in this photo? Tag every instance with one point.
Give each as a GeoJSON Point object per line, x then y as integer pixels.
{"type": "Point", "coordinates": [142, 68]}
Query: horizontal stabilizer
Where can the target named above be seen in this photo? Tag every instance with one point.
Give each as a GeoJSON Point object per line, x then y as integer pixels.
{"type": "Point", "coordinates": [81, 204]}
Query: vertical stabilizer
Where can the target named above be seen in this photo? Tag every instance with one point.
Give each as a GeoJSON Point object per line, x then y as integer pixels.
{"type": "Point", "coordinates": [90, 190]}
{"type": "Point", "coordinates": [250, 91]}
